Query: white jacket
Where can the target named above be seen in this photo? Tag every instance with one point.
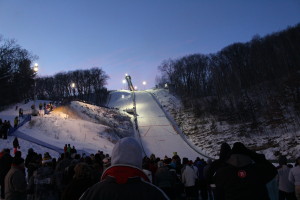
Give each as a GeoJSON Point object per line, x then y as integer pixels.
{"type": "Point", "coordinates": [189, 176]}
{"type": "Point", "coordinates": [283, 183]}
{"type": "Point", "coordinates": [294, 175]}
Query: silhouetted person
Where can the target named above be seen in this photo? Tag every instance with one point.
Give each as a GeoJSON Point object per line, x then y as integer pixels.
{"type": "Point", "coordinates": [245, 176]}
{"type": "Point", "coordinates": [125, 178]}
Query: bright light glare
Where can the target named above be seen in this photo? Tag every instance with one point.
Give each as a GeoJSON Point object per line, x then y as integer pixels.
{"type": "Point", "coordinates": [123, 96]}
{"type": "Point", "coordinates": [124, 81]}
{"type": "Point", "coordinates": [135, 87]}
{"type": "Point", "coordinates": [73, 85]}
{"type": "Point", "coordinates": [126, 74]}
{"type": "Point", "coordinates": [144, 82]}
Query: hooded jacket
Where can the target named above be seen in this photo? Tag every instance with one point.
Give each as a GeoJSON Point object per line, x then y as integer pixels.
{"type": "Point", "coordinates": [124, 179]}
{"type": "Point", "coordinates": [245, 176]}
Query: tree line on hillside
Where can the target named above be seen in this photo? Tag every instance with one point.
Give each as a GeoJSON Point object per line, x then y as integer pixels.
{"type": "Point", "coordinates": [16, 72]}
{"type": "Point", "coordinates": [18, 79]}
{"type": "Point", "coordinates": [242, 81]}
{"type": "Point", "coordinates": [86, 85]}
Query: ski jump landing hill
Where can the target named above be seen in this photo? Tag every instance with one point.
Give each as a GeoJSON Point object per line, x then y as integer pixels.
{"type": "Point", "coordinates": [156, 130]}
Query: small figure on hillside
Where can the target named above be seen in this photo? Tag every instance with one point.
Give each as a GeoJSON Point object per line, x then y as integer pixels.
{"type": "Point", "coordinates": [44, 105]}
{"type": "Point", "coordinates": [73, 150]}
{"type": "Point", "coordinates": [20, 112]}
{"type": "Point", "coordinates": [65, 148]}
{"type": "Point", "coordinates": [69, 148]}
{"type": "Point", "coordinates": [16, 122]}
{"type": "Point", "coordinates": [16, 145]}
{"type": "Point", "coordinates": [5, 129]}
{"type": "Point", "coordinates": [40, 106]}
{"type": "Point", "coordinates": [1, 124]}
{"type": "Point", "coordinates": [16, 107]}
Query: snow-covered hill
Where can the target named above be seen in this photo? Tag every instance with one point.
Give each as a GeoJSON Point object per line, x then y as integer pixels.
{"type": "Point", "coordinates": [91, 128]}
{"type": "Point", "coordinates": [87, 127]}
{"type": "Point", "coordinates": [208, 134]}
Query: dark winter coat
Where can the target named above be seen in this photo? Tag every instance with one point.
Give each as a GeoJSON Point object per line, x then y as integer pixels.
{"type": "Point", "coordinates": [15, 184]}
{"type": "Point", "coordinates": [217, 164]}
{"type": "Point", "coordinates": [76, 188]}
{"type": "Point", "coordinates": [59, 172]}
{"type": "Point", "coordinates": [124, 182]}
{"type": "Point", "coordinates": [244, 178]}
{"type": "Point", "coordinates": [5, 164]}
{"type": "Point", "coordinates": [16, 143]}
{"type": "Point", "coordinates": [164, 178]}
{"type": "Point", "coordinates": [31, 163]}
{"type": "Point", "coordinates": [42, 184]}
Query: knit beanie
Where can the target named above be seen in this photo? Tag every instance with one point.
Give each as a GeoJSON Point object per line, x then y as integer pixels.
{"type": "Point", "coordinates": [47, 158]}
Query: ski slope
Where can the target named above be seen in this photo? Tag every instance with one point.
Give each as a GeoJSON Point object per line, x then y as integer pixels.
{"type": "Point", "coordinates": [157, 134]}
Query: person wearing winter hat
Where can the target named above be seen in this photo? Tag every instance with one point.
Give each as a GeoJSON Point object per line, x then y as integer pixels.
{"type": "Point", "coordinates": [15, 181]}
{"type": "Point", "coordinates": [125, 178]}
{"type": "Point", "coordinates": [46, 159]}
{"type": "Point", "coordinates": [245, 176]}
{"type": "Point", "coordinates": [294, 177]}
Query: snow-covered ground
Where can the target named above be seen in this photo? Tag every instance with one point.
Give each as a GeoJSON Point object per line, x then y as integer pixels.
{"type": "Point", "coordinates": [91, 128]}
{"type": "Point", "coordinates": [78, 125]}
{"type": "Point", "coordinates": [209, 134]}
{"type": "Point", "coordinates": [157, 133]}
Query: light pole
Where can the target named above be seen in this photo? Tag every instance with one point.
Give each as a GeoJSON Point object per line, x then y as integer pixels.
{"type": "Point", "coordinates": [144, 83]}
{"type": "Point", "coordinates": [35, 69]}
{"type": "Point", "coordinates": [124, 82]}
{"type": "Point", "coordinates": [73, 88]}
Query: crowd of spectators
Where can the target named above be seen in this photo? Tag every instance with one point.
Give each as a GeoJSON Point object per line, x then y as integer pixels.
{"type": "Point", "coordinates": [239, 173]}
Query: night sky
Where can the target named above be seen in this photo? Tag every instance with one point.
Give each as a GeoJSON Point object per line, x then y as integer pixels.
{"type": "Point", "coordinates": [135, 36]}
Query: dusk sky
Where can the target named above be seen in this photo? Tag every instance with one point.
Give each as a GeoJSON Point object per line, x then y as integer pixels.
{"type": "Point", "coordinates": [135, 36]}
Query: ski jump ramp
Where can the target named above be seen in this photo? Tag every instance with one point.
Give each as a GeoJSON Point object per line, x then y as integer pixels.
{"type": "Point", "coordinates": [157, 134]}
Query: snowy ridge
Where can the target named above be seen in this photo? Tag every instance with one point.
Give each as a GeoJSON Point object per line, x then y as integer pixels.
{"type": "Point", "coordinates": [204, 154]}
{"type": "Point", "coordinates": [209, 134]}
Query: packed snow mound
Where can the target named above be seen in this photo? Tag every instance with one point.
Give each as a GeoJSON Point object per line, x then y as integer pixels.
{"type": "Point", "coordinates": [118, 121]}
{"type": "Point", "coordinates": [87, 127]}
{"type": "Point", "coordinates": [57, 129]}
